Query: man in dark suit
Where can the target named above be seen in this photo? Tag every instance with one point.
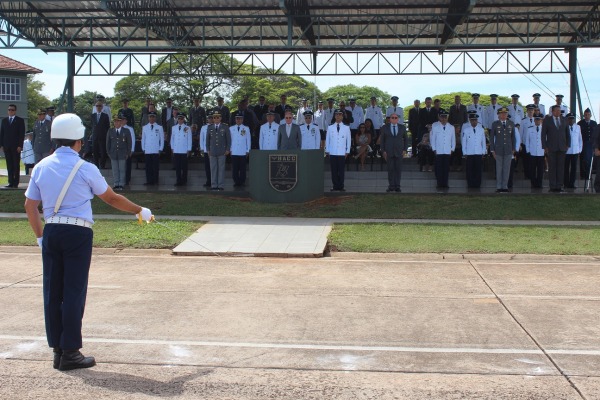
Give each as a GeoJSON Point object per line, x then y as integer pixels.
{"type": "Point", "coordinates": [556, 140]}
{"type": "Point", "coordinates": [414, 125]}
{"type": "Point", "coordinates": [197, 113]}
{"type": "Point", "coordinates": [596, 136]}
{"type": "Point", "coordinates": [289, 136]}
{"type": "Point", "coordinates": [348, 117]}
{"type": "Point", "coordinates": [394, 143]}
{"type": "Point", "coordinates": [100, 127]}
{"type": "Point", "coordinates": [427, 116]}
{"type": "Point", "coordinates": [166, 115]}
{"type": "Point", "coordinates": [261, 108]}
{"type": "Point", "coordinates": [280, 108]}
{"type": "Point", "coordinates": [458, 113]}
{"type": "Point", "coordinates": [12, 135]}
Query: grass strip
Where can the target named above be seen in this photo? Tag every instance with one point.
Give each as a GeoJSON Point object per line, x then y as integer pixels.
{"type": "Point", "coordinates": [110, 233]}
{"type": "Point", "coordinates": [568, 207]}
{"type": "Point", "coordinates": [441, 238]}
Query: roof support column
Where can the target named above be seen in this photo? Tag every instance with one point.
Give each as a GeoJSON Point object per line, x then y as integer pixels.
{"type": "Point", "coordinates": [70, 84]}
{"type": "Point", "coordinates": [574, 83]}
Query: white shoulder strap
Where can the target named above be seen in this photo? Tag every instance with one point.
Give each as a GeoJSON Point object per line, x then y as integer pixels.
{"type": "Point", "coordinates": [65, 187]}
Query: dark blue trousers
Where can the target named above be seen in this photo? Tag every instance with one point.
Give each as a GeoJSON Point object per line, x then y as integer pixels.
{"type": "Point", "coordinates": [338, 169]}
{"type": "Point", "coordinates": [152, 166]}
{"type": "Point", "coordinates": [238, 169]}
{"type": "Point", "coordinates": [180, 161]}
{"type": "Point", "coordinates": [207, 169]}
{"type": "Point", "coordinates": [66, 256]}
{"type": "Point", "coordinates": [442, 170]}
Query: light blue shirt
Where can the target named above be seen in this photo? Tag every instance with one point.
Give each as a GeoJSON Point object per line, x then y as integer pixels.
{"type": "Point", "coordinates": [49, 176]}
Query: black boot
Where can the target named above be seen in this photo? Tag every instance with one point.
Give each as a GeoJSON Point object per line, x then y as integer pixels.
{"type": "Point", "coordinates": [73, 359]}
{"type": "Point", "coordinates": [57, 355]}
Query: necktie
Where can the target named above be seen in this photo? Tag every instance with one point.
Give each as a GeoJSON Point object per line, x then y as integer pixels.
{"type": "Point", "coordinates": [494, 107]}
{"type": "Point", "coordinates": [11, 119]}
{"type": "Point", "coordinates": [338, 127]}
{"type": "Point", "coordinates": [307, 127]}
{"type": "Point", "coordinates": [394, 130]}
{"type": "Point", "coordinates": [179, 128]}
{"type": "Point", "coordinates": [515, 108]}
{"type": "Point", "coordinates": [444, 127]}
{"type": "Point", "coordinates": [269, 126]}
{"type": "Point", "coordinates": [537, 128]}
{"type": "Point", "coordinates": [556, 122]}
{"type": "Point", "coordinates": [474, 130]}
{"type": "Point", "coordinates": [118, 133]}
{"type": "Point", "coordinates": [217, 127]}
{"type": "Point", "coordinates": [571, 129]}
{"type": "Point", "coordinates": [238, 128]}
{"type": "Point", "coordinates": [151, 127]}
{"type": "Point", "coordinates": [530, 120]}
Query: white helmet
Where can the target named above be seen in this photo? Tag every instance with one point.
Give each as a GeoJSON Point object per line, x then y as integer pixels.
{"type": "Point", "coordinates": [67, 126]}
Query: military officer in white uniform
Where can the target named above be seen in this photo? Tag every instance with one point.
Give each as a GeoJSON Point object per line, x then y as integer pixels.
{"type": "Point", "coordinates": [572, 156]}
{"type": "Point", "coordinates": [536, 102]}
{"type": "Point", "coordinates": [240, 148]}
{"type": "Point", "coordinates": [303, 107]}
{"type": "Point", "coordinates": [527, 124]}
{"type": "Point", "coordinates": [337, 145]}
{"type": "Point", "coordinates": [311, 137]}
{"type": "Point", "coordinates": [533, 144]}
{"type": "Point", "coordinates": [473, 147]}
{"type": "Point", "coordinates": [443, 143]}
{"type": "Point", "coordinates": [328, 113]}
{"type": "Point", "coordinates": [564, 110]}
{"type": "Point", "coordinates": [153, 142]}
{"type": "Point", "coordinates": [515, 111]}
{"type": "Point", "coordinates": [491, 111]}
{"type": "Point", "coordinates": [204, 150]}
{"type": "Point", "coordinates": [319, 119]}
{"type": "Point", "coordinates": [476, 108]}
{"type": "Point", "coordinates": [395, 109]}
{"type": "Point", "coordinates": [66, 238]}
{"type": "Point", "coordinates": [357, 113]}
{"type": "Point", "coordinates": [268, 133]}
{"type": "Point", "coordinates": [181, 147]}
{"type": "Point", "coordinates": [374, 113]}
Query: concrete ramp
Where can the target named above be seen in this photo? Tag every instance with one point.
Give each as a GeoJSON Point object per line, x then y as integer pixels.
{"type": "Point", "coordinates": [261, 237]}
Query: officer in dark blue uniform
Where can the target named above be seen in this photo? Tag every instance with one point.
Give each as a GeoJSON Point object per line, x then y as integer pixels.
{"type": "Point", "coordinates": [65, 185]}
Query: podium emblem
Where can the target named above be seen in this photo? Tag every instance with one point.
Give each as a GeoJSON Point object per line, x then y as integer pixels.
{"type": "Point", "coordinates": [283, 171]}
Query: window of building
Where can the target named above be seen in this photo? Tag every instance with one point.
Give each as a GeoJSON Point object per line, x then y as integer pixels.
{"type": "Point", "coordinates": [10, 89]}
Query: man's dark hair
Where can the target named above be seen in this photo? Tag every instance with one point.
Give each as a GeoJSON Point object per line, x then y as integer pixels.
{"type": "Point", "coordinates": [13, 105]}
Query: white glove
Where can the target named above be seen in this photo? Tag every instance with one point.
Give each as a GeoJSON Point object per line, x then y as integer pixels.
{"type": "Point", "coordinates": [39, 242]}
{"type": "Point", "coordinates": [145, 215]}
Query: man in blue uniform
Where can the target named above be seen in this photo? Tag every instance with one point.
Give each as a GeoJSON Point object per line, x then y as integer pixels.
{"type": "Point", "coordinates": [65, 185]}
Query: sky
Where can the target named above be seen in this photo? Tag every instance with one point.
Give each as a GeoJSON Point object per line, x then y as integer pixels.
{"type": "Point", "coordinates": [407, 88]}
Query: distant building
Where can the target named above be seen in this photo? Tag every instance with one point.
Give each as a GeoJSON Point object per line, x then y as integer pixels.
{"type": "Point", "coordinates": [13, 85]}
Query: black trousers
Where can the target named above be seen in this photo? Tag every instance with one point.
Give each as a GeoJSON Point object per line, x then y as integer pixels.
{"type": "Point", "coordinates": [338, 168]}
{"type": "Point", "coordinates": [180, 161]}
{"type": "Point", "coordinates": [570, 174]}
{"type": "Point", "coordinates": [536, 171]}
{"type": "Point", "coordinates": [238, 169]}
{"type": "Point", "coordinates": [474, 169]}
{"type": "Point", "coordinates": [456, 157]}
{"type": "Point", "coordinates": [526, 158]}
{"type": "Point", "coordinates": [556, 168]}
{"type": "Point", "coordinates": [13, 165]}
{"type": "Point", "coordinates": [426, 156]}
{"type": "Point", "coordinates": [152, 163]}
{"type": "Point", "coordinates": [442, 170]}
{"type": "Point", "coordinates": [207, 169]}
{"type": "Point", "coordinates": [100, 151]}
{"type": "Point", "coordinates": [66, 257]}
{"type": "Point", "coordinates": [128, 169]}
{"type": "Point", "coordinates": [394, 167]}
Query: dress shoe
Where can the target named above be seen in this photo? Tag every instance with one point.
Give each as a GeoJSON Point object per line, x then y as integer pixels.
{"type": "Point", "coordinates": [397, 190]}
{"type": "Point", "coordinates": [74, 360]}
{"type": "Point", "coordinates": [221, 189]}
{"type": "Point", "coordinates": [57, 355]}
{"type": "Point", "coordinates": [8, 186]}
{"type": "Point", "coordinates": [342, 190]}
{"type": "Point", "coordinates": [333, 190]}
{"type": "Point", "coordinates": [388, 190]}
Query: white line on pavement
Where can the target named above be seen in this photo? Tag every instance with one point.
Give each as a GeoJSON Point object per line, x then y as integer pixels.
{"type": "Point", "coordinates": [295, 346]}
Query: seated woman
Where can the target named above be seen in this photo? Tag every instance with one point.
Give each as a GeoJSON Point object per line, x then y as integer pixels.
{"type": "Point", "coordinates": [362, 140]}
{"type": "Point", "coordinates": [425, 154]}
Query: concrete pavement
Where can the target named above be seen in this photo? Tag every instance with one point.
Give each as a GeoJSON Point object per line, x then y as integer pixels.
{"type": "Point", "coordinates": [350, 326]}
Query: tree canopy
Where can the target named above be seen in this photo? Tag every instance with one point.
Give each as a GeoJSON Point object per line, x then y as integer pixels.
{"type": "Point", "coordinates": [362, 94]}
{"type": "Point", "coordinates": [35, 100]}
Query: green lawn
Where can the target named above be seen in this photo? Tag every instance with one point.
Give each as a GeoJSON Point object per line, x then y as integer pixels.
{"type": "Point", "coordinates": [110, 233]}
{"type": "Point", "coordinates": [438, 238]}
{"type": "Point", "coordinates": [488, 207]}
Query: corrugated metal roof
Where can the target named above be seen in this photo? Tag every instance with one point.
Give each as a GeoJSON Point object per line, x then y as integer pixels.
{"type": "Point", "coordinates": [321, 25]}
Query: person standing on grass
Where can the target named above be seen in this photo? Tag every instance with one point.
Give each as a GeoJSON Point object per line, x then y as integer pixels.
{"type": "Point", "coordinates": [12, 135]}
{"type": "Point", "coordinates": [65, 184]}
